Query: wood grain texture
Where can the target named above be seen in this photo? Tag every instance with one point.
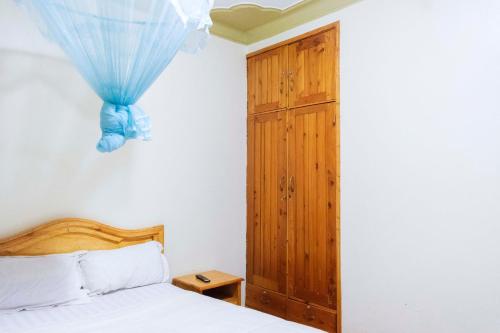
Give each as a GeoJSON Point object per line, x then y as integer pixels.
{"type": "Point", "coordinates": [312, 205]}
{"type": "Point", "coordinates": [73, 234]}
{"type": "Point", "coordinates": [311, 315]}
{"type": "Point", "coordinates": [311, 189]}
{"type": "Point", "coordinates": [265, 300]}
{"type": "Point", "coordinates": [330, 26]}
{"type": "Point", "coordinates": [267, 81]}
{"type": "Point", "coordinates": [312, 69]}
{"type": "Point", "coordinates": [266, 201]}
{"type": "Point", "coordinates": [338, 238]}
{"type": "Point", "coordinates": [222, 286]}
{"type": "Point", "coordinates": [217, 279]}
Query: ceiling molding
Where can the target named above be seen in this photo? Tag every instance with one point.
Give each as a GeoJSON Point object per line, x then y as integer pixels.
{"type": "Point", "coordinates": [227, 32]}
{"type": "Point", "coordinates": [250, 23]}
{"type": "Point", "coordinates": [275, 4]}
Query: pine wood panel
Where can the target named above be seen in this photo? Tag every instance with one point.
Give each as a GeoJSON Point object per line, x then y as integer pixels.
{"type": "Point", "coordinates": [266, 200]}
{"type": "Point", "coordinates": [266, 301]}
{"type": "Point", "coordinates": [267, 81]}
{"type": "Point", "coordinates": [73, 234]}
{"type": "Point", "coordinates": [313, 69]}
{"type": "Point", "coordinates": [222, 286]}
{"type": "Point", "coordinates": [312, 204]}
{"type": "Point", "coordinates": [311, 315]}
{"type": "Point", "coordinates": [312, 213]}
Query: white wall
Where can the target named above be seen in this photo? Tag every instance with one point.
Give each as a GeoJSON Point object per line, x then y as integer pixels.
{"type": "Point", "coordinates": [420, 82]}
{"type": "Point", "coordinates": [191, 177]}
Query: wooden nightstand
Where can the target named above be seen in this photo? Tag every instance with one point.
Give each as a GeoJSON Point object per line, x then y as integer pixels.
{"type": "Point", "coordinates": [222, 286]}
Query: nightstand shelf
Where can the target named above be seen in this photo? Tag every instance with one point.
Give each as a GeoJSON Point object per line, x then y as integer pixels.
{"type": "Point", "coordinates": [225, 287]}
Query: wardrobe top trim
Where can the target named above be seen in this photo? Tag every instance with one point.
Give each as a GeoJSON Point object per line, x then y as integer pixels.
{"type": "Point", "coordinates": [331, 26]}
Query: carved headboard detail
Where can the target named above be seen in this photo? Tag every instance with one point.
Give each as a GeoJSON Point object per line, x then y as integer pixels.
{"type": "Point", "coordinates": [73, 234]}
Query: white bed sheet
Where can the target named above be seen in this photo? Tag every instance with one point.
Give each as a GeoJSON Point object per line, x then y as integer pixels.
{"type": "Point", "coordinates": [160, 308]}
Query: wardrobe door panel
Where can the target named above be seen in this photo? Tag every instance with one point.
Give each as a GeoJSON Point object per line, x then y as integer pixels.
{"type": "Point", "coordinates": [267, 81]}
{"type": "Point", "coordinates": [312, 204]}
{"type": "Point", "coordinates": [267, 206]}
{"type": "Point", "coordinates": [313, 69]}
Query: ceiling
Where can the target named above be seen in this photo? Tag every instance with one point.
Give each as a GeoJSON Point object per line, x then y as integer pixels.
{"type": "Point", "coordinates": [278, 4]}
{"type": "Point", "coordinates": [249, 21]}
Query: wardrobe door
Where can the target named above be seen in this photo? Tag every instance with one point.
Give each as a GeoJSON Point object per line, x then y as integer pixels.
{"type": "Point", "coordinates": [266, 201]}
{"type": "Point", "coordinates": [313, 69]}
{"type": "Point", "coordinates": [267, 81]}
{"type": "Point", "coordinates": [312, 205]}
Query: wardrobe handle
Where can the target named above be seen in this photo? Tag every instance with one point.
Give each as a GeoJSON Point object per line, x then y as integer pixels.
{"type": "Point", "coordinates": [309, 314]}
{"type": "Point", "coordinates": [264, 298]}
{"type": "Point", "coordinates": [292, 83]}
{"type": "Point", "coordinates": [291, 185]}
{"type": "Point", "coordinates": [283, 187]}
{"type": "Point", "coordinates": [282, 183]}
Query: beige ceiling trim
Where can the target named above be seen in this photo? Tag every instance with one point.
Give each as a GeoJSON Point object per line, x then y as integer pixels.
{"type": "Point", "coordinates": [277, 4]}
{"type": "Point", "coordinates": [227, 32]}
{"type": "Point", "coordinates": [248, 24]}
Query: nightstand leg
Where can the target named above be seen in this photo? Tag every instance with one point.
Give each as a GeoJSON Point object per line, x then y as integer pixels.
{"type": "Point", "coordinates": [238, 292]}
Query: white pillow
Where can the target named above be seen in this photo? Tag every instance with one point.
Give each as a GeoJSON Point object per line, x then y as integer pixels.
{"type": "Point", "coordinates": [132, 266]}
{"type": "Point", "coordinates": [32, 282]}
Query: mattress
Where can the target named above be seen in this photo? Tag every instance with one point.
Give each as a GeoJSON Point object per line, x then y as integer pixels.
{"type": "Point", "coordinates": [160, 308]}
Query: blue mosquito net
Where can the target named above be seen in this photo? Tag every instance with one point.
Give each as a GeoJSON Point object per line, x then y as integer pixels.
{"type": "Point", "coordinates": [121, 47]}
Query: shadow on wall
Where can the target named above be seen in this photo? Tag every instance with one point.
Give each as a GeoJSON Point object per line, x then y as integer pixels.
{"type": "Point", "coordinates": [48, 131]}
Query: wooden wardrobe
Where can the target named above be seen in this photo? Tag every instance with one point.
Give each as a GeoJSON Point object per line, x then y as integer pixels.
{"type": "Point", "coordinates": [293, 180]}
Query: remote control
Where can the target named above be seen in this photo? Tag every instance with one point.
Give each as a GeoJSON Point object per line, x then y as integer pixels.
{"type": "Point", "coordinates": [202, 278]}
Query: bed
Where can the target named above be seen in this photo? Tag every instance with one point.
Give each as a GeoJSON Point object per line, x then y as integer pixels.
{"type": "Point", "coordinates": [155, 308]}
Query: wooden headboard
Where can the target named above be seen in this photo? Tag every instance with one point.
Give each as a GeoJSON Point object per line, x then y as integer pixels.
{"type": "Point", "coordinates": [73, 234]}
